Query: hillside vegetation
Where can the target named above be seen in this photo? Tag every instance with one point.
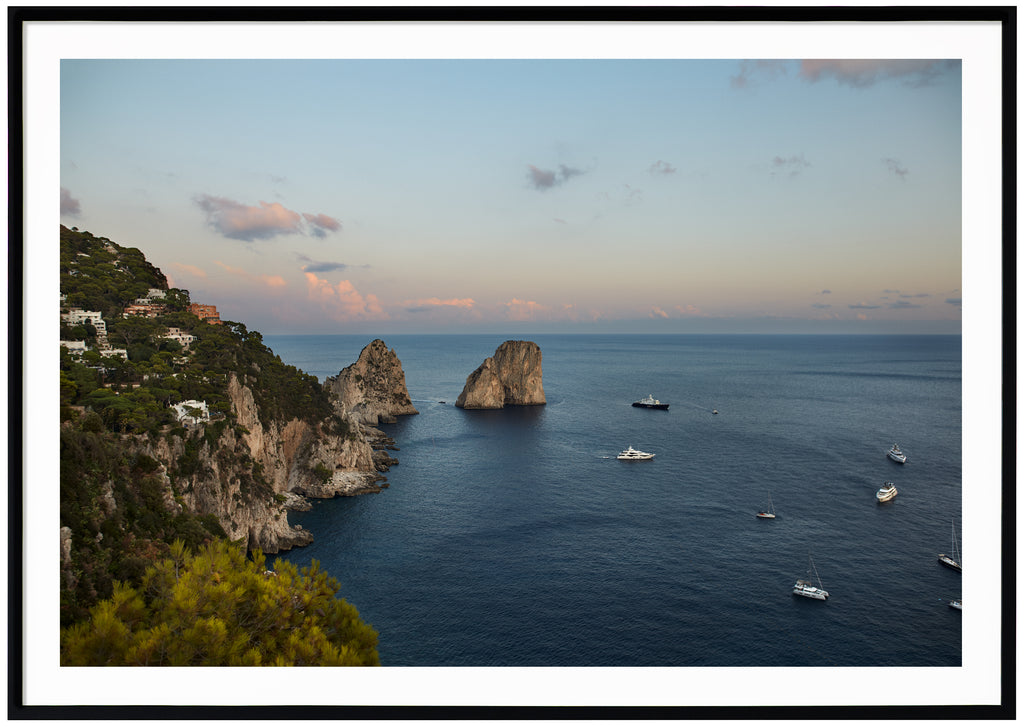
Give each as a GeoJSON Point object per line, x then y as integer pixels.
{"type": "Point", "coordinates": [122, 510]}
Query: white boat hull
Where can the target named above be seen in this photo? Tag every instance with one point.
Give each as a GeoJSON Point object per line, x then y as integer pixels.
{"type": "Point", "coordinates": [949, 562]}
{"type": "Point", "coordinates": [634, 455]}
{"type": "Point", "coordinates": [810, 592]}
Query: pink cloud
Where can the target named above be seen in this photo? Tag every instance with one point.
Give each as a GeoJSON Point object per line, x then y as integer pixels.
{"type": "Point", "coordinates": [242, 222]}
{"type": "Point", "coordinates": [753, 70]}
{"type": "Point", "coordinates": [541, 178]}
{"type": "Point", "coordinates": [657, 312]}
{"type": "Point", "coordinates": [190, 269]}
{"type": "Point", "coordinates": [525, 310]}
{"type": "Point", "coordinates": [265, 220]}
{"type": "Point", "coordinates": [321, 224]}
{"type": "Point", "coordinates": [69, 205]}
{"type": "Point", "coordinates": [865, 72]}
{"type": "Point", "coordinates": [689, 310]}
{"type": "Point", "coordinates": [342, 301]}
{"type": "Point", "coordinates": [427, 303]}
{"type": "Point", "coordinates": [271, 281]}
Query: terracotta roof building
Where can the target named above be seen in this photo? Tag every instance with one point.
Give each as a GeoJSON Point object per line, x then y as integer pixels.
{"type": "Point", "coordinates": [206, 313]}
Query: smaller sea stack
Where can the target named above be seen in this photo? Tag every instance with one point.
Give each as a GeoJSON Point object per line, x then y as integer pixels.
{"type": "Point", "coordinates": [511, 377]}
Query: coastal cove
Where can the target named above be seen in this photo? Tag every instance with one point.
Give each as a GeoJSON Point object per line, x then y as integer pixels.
{"type": "Point", "coordinates": [515, 538]}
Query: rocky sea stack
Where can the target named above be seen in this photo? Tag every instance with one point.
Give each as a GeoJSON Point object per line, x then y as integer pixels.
{"type": "Point", "coordinates": [512, 377]}
{"type": "Point", "coordinates": [372, 390]}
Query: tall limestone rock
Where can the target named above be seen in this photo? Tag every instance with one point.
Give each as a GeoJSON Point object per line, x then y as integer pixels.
{"type": "Point", "coordinates": [512, 377]}
{"type": "Point", "coordinates": [372, 390]}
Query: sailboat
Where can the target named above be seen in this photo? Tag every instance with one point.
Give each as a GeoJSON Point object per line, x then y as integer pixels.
{"type": "Point", "coordinates": [954, 561]}
{"type": "Point", "coordinates": [806, 588]}
{"type": "Point", "coordinates": [768, 514]}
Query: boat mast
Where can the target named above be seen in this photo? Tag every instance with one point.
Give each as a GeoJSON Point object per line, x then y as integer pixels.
{"type": "Point", "coordinates": [816, 576]}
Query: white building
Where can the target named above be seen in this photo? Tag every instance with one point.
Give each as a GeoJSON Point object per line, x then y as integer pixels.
{"type": "Point", "coordinates": [191, 412]}
{"type": "Point", "coordinates": [123, 353]}
{"type": "Point", "coordinates": [94, 317]}
{"type": "Point", "coordinates": [75, 347]}
{"type": "Point", "coordinates": [157, 293]}
{"type": "Point", "coordinates": [176, 334]}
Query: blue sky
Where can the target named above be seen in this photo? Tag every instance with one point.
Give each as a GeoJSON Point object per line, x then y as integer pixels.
{"type": "Point", "coordinates": [526, 195]}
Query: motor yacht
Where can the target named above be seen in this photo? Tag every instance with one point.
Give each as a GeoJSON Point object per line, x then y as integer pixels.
{"type": "Point", "coordinates": [649, 402]}
{"type": "Point", "coordinates": [634, 454]}
{"type": "Point", "coordinates": [896, 454]}
{"type": "Point", "coordinates": [886, 492]}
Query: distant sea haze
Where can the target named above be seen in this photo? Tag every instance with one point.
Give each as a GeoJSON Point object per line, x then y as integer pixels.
{"type": "Point", "coordinates": [516, 538]}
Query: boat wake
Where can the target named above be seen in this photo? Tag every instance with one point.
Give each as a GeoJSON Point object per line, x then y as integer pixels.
{"type": "Point", "coordinates": [698, 407]}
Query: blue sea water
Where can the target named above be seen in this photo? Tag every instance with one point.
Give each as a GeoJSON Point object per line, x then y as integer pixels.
{"type": "Point", "coordinates": [515, 538]}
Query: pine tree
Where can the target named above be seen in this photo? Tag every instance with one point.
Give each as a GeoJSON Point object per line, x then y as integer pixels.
{"type": "Point", "coordinates": [218, 608]}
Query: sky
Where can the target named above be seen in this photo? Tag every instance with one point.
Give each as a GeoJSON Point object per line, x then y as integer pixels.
{"type": "Point", "coordinates": [417, 196]}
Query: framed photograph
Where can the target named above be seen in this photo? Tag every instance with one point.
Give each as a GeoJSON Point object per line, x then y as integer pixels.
{"type": "Point", "coordinates": [766, 252]}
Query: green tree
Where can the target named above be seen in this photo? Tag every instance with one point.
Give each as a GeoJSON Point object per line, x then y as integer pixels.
{"type": "Point", "coordinates": [217, 608]}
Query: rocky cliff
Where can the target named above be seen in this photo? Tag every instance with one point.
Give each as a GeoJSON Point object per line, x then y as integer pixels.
{"type": "Point", "coordinates": [294, 459]}
{"type": "Point", "coordinates": [512, 377]}
{"type": "Point", "coordinates": [248, 475]}
{"type": "Point", "coordinates": [372, 390]}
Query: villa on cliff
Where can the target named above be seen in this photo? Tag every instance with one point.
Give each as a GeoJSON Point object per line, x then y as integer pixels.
{"type": "Point", "coordinates": [176, 334]}
{"type": "Point", "coordinates": [150, 310]}
{"type": "Point", "coordinates": [206, 313]}
{"type": "Point", "coordinates": [191, 412]}
{"type": "Point", "coordinates": [75, 316]}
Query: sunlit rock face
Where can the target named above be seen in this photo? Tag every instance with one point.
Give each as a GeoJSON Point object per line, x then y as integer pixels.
{"type": "Point", "coordinates": [372, 390]}
{"type": "Point", "coordinates": [511, 377]}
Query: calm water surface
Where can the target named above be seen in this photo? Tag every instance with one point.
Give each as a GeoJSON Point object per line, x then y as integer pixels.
{"type": "Point", "coordinates": [514, 537]}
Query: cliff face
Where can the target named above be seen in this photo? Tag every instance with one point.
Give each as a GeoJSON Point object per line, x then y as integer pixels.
{"type": "Point", "coordinates": [512, 377]}
{"type": "Point", "coordinates": [372, 390]}
{"type": "Point", "coordinates": [295, 459]}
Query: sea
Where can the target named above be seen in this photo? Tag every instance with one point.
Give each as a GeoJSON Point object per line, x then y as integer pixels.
{"type": "Point", "coordinates": [516, 538]}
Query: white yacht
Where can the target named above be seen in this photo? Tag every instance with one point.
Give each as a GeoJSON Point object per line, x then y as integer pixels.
{"type": "Point", "coordinates": [886, 493]}
{"type": "Point", "coordinates": [958, 604]}
{"type": "Point", "coordinates": [768, 514]}
{"type": "Point", "coordinates": [954, 560]}
{"type": "Point", "coordinates": [806, 588]}
{"type": "Point", "coordinates": [634, 454]}
{"type": "Point", "coordinates": [897, 455]}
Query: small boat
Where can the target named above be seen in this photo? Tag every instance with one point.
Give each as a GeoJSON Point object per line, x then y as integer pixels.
{"type": "Point", "coordinates": [768, 514]}
{"type": "Point", "coordinates": [714, 411]}
{"type": "Point", "coordinates": [634, 454]}
{"type": "Point", "coordinates": [896, 454]}
{"type": "Point", "coordinates": [650, 403]}
{"type": "Point", "coordinates": [886, 492]}
{"type": "Point", "coordinates": [954, 561]}
{"type": "Point", "coordinates": [957, 603]}
{"type": "Point", "coordinates": [806, 588]}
